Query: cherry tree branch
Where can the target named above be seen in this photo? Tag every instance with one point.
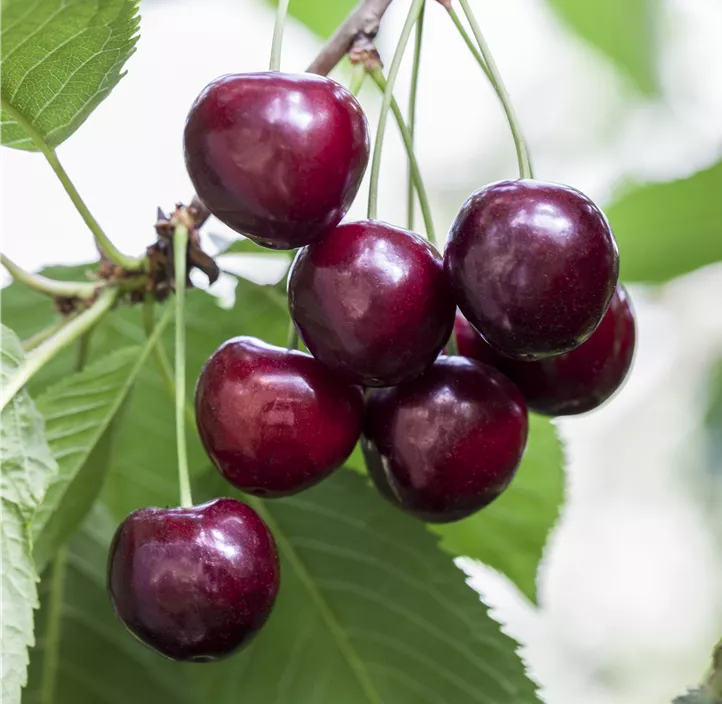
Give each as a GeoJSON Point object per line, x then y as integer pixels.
{"type": "Point", "coordinates": [363, 22]}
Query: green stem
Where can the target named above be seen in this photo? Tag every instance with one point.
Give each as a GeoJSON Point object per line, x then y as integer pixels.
{"type": "Point", "coordinates": [411, 18]}
{"type": "Point", "coordinates": [469, 42]}
{"type": "Point", "coordinates": [161, 358]}
{"type": "Point", "coordinates": [180, 247]}
{"type": "Point", "coordinates": [42, 354]}
{"type": "Point", "coordinates": [451, 346]}
{"type": "Point", "coordinates": [278, 27]}
{"type": "Point", "coordinates": [39, 337]}
{"type": "Point", "coordinates": [378, 78]}
{"type": "Point", "coordinates": [412, 113]}
{"type": "Point", "coordinates": [522, 152]}
{"type": "Point", "coordinates": [52, 627]}
{"type": "Point", "coordinates": [42, 284]}
{"type": "Point", "coordinates": [358, 75]}
{"type": "Point", "coordinates": [102, 240]}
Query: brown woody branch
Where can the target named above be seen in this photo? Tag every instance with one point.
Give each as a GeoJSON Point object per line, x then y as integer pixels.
{"type": "Point", "coordinates": [362, 23]}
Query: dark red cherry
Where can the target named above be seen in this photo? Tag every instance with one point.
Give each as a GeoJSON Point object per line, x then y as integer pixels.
{"type": "Point", "coordinates": [533, 265]}
{"type": "Point", "coordinates": [573, 382]}
{"type": "Point", "coordinates": [449, 442]}
{"type": "Point", "coordinates": [371, 302]}
{"type": "Point", "coordinates": [278, 157]}
{"type": "Point", "coordinates": [194, 583]}
{"type": "Point", "coordinates": [274, 421]}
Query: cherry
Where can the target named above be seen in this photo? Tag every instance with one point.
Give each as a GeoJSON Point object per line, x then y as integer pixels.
{"type": "Point", "coordinates": [371, 302]}
{"type": "Point", "coordinates": [533, 266]}
{"type": "Point", "coordinates": [274, 421]}
{"type": "Point", "coordinates": [573, 382]}
{"type": "Point", "coordinates": [449, 442]}
{"type": "Point", "coordinates": [194, 583]}
{"type": "Point", "coordinates": [276, 156]}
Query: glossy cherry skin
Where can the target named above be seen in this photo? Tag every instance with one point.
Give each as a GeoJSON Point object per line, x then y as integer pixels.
{"type": "Point", "coordinates": [194, 583]}
{"type": "Point", "coordinates": [449, 442]}
{"type": "Point", "coordinates": [533, 265]}
{"type": "Point", "coordinates": [278, 157]}
{"type": "Point", "coordinates": [272, 420]}
{"type": "Point", "coordinates": [573, 382]}
{"type": "Point", "coordinates": [371, 302]}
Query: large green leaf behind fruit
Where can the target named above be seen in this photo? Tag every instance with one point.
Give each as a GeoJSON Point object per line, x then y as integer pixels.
{"type": "Point", "coordinates": [26, 469]}
{"type": "Point", "coordinates": [367, 596]}
{"type": "Point", "coordinates": [60, 59]}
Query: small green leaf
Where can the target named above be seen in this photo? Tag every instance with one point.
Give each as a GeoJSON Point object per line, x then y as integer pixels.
{"type": "Point", "coordinates": [625, 30]}
{"type": "Point", "coordinates": [668, 229]}
{"type": "Point", "coordinates": [320, 16]}
{"type": "Point", "coordinates": [99, 662]}
{"type": "Point", "coordinates": [369, 611]}
{"type": "Point", "coordinates": [510, 534]}
{"type": "Point", "coordinates": [26, 469]}
{"type": "Point", "coordinates": [60, 59]}
{"type": "Point", "coordinates": [79, 412]}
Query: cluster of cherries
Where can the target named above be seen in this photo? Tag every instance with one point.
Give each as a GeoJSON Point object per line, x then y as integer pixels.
{"type": "Point", "coordinates": [528, 282]}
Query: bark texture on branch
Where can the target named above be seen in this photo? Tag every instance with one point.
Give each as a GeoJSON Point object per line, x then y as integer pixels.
{"type": "Point", "coordinates": [363, 21]}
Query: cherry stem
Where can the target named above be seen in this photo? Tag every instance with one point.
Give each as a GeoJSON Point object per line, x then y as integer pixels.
{"type": "Point", "coordinates": [39, 337]}
{"type": "Point", "coordinates": [101, 239]}
{"type": "Point", "coordinates": [50, 287]}
{"type": "Point", "coordinates": [278, 27]}
{"type": "Point", "coordinates": [159, 354]}
{"type": "Point", "coordinates": [469, 42]}
{"type": "Point", "coordinates": [522, 151]}
{"type": "Point", "coordinates": [378, 78]}
{"type": "Point", "coordinates": [414, 12]}
{"type": "Point", "coordinates": [44, 352]}
{"type": "Point", "coordinates": [180, 248]}
{"type": "Point", "coordinates": [410, 203]}
{"type": "Point", "coordinates": [452, 347]}
{"type": "Point", "coordinates": [358, 75]}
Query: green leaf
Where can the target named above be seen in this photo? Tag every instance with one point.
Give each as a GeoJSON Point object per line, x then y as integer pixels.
{"type": "Point", "coordinates": [369, 611]}
{"type": "Point", "coordinates": [625, 30]}
{"type": "Point", "coordinates": [320, 16]}
{"type": "Point", "coordinates": [510, 534]}
{"type": "Point", "coordinates": [668, 229]}
{"type": "Point", "coordinates": [27, 467]}
{"type": "Point", "coordinates": [60, 60]}
{"type": "Point", "coordinates": [98, 660]}
{"type": "Point", "coordinates": [79, 413]}
{"type": "Point", "coordinates": [356, 572]}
